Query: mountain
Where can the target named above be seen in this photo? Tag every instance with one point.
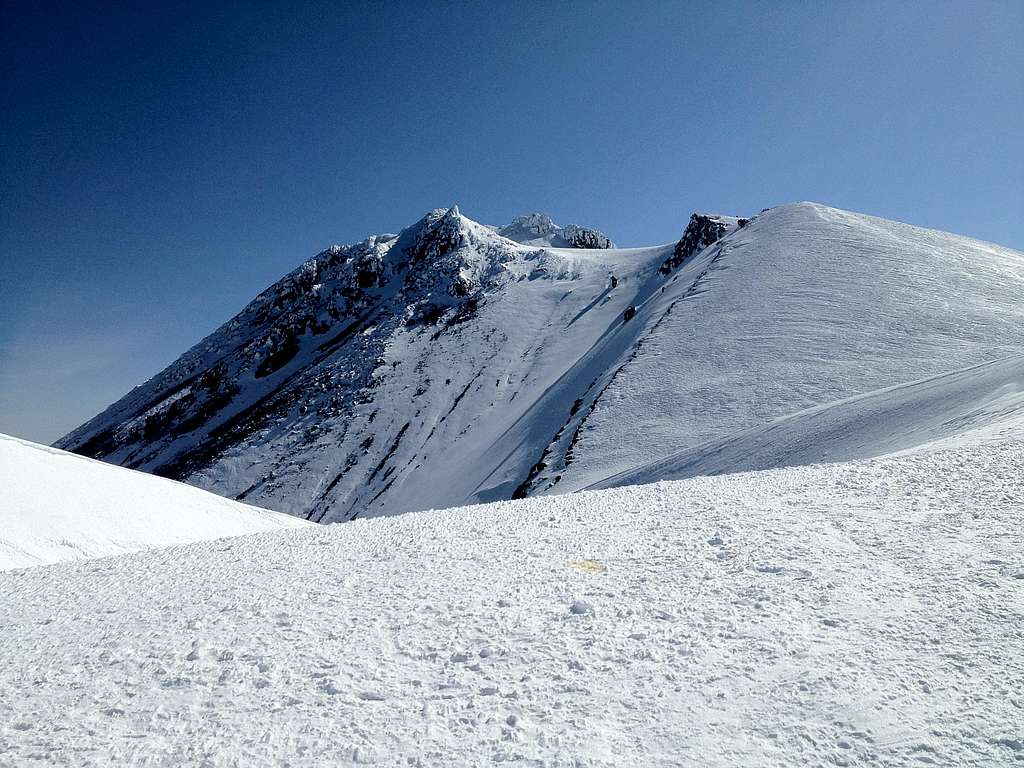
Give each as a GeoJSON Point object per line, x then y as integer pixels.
{"type": "Point", "coordinates": [860, 614]}
{"type": "Point", "coordinates": [59, 506]}
{"type": "Point", "coordinates": [452, 363]}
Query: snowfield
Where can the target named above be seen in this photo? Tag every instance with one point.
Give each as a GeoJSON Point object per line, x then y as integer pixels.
{"type": "Point", "coordinates": [863, 613]}
{"type": "Point", "coordinates": [59, 506]}
{"type": "Point", "coordinates": [980, 403]}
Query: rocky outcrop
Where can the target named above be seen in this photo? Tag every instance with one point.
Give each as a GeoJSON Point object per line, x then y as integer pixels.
{"type": "Point", "coordinates": [314, 340]}
{"type": "Point", "coordinates": [539, 229]}
{"type": "Point", "coordinates": [576, 236]}
{"type": "Point", "coordinates": [700, 232]}
{"type": "Point", "coordinates": [532, 226]}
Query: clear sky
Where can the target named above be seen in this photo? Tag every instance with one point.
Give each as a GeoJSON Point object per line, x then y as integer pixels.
{"type": "Point", "coordinates": [161, 164]}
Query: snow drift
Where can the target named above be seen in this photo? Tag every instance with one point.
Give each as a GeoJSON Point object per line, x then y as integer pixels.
{"type": "Point", "coordinates": [59, 506]}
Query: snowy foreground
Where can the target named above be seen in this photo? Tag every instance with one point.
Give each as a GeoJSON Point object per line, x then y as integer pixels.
{"type": "Point", "coordinates": [870, 612]}
{"type": "Point", "coordinates": [58, 506]}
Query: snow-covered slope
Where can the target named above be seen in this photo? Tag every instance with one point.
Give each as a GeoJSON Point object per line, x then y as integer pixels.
{"type": "Point", "coordinates": [450, 364]}
{"type": "Point", "coordinates": [386, 376]}
{"type": "Point", "coordinates": [804, 306]}
{"type": "Point", "coordinates": [978, 404]}
{"type": "Point", "coordinates": [59, 506]}
{"type": "Point", "coordinates": [853, 614]}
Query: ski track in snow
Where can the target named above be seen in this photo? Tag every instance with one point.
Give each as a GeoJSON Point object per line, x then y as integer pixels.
{"type": "Point", "coordinates": [976, 404]}
{"type": "Point", "coordinates": [867, 613]}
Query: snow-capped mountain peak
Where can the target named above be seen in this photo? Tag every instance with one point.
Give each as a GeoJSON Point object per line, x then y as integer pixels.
{"type": "Point", "coordinates": [539, 229]}
{"type": "Point", "coordinates": [451, 364]}
{"type": "Point", "coordinates": [529, 226]}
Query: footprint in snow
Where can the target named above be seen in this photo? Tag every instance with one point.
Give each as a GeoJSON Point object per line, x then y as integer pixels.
{"type": "Point", "coordinates": [581, 608]}
{"type": "Point", "coordinates": [328, 687]}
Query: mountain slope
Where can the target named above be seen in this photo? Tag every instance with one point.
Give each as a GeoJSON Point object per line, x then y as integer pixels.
{"type": "Point", "coordinates": [449, 364]}
{"type": "Point", "coordinates": [386, 376]}
{"type": "Point", "coordinates": [59, 506]}
{"type": "Point", "coordinates": [979, 404]}
{"type": "Point", "coordinates": [805, 306]}
{"type": "Point", "coordinates": [865, 613]}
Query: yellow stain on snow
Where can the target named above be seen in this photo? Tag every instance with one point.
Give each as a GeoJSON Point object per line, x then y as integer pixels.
{"type": "Point", "coordinates": [588, 566]}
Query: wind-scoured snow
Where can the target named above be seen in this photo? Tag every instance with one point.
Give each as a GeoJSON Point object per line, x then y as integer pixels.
{"type": "Point", "coordinates": [865, 613]}
{"type": "Point", "coordinates": [59, 506]}
{"type": "Point", "coordinates": [980, 403]}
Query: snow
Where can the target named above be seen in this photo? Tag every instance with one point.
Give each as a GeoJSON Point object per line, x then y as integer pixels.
{"type": "Point", "coordinates": [60, 506]}
{"type": "Point", "coordinates": [861, 613]}
{"type": "Point", "coordinates": [980, 403]}
{"type": "Point", "coordinates": [866, 611]}
{"type": "Point", "coordinates": [804, 306]}
{"type": "Point", "coordinates": [538, 229]}
{"type": "Point", "coordinates": [476, 368]}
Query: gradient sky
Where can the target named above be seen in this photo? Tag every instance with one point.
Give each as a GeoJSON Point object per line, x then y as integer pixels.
{"type": "Point", "coordinates": [161, 164]}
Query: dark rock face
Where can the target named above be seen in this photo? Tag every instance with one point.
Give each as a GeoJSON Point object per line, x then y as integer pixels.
{"type": "Point", "coordinates": [318, 330]}
{"type": "Point", "coordinates": [701, 232]}
{"type": "Point", "coordinates": [581, 237]}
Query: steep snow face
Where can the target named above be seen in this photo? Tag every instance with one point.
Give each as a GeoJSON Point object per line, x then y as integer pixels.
{"type": "Point", "coordinates": [802, 306]}
{"type": "Point", "coordinates": [59, 506]}
{"type": "Point", "coordinates": [983, 403]}
{"type": "Point", "coordinates": [863, 614]}
{"type": "Point", "coordinates": [449, 364]}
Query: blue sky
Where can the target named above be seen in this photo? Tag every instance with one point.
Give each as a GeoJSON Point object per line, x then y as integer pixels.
{"type": "Point", "coordinates": [161, 164]}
